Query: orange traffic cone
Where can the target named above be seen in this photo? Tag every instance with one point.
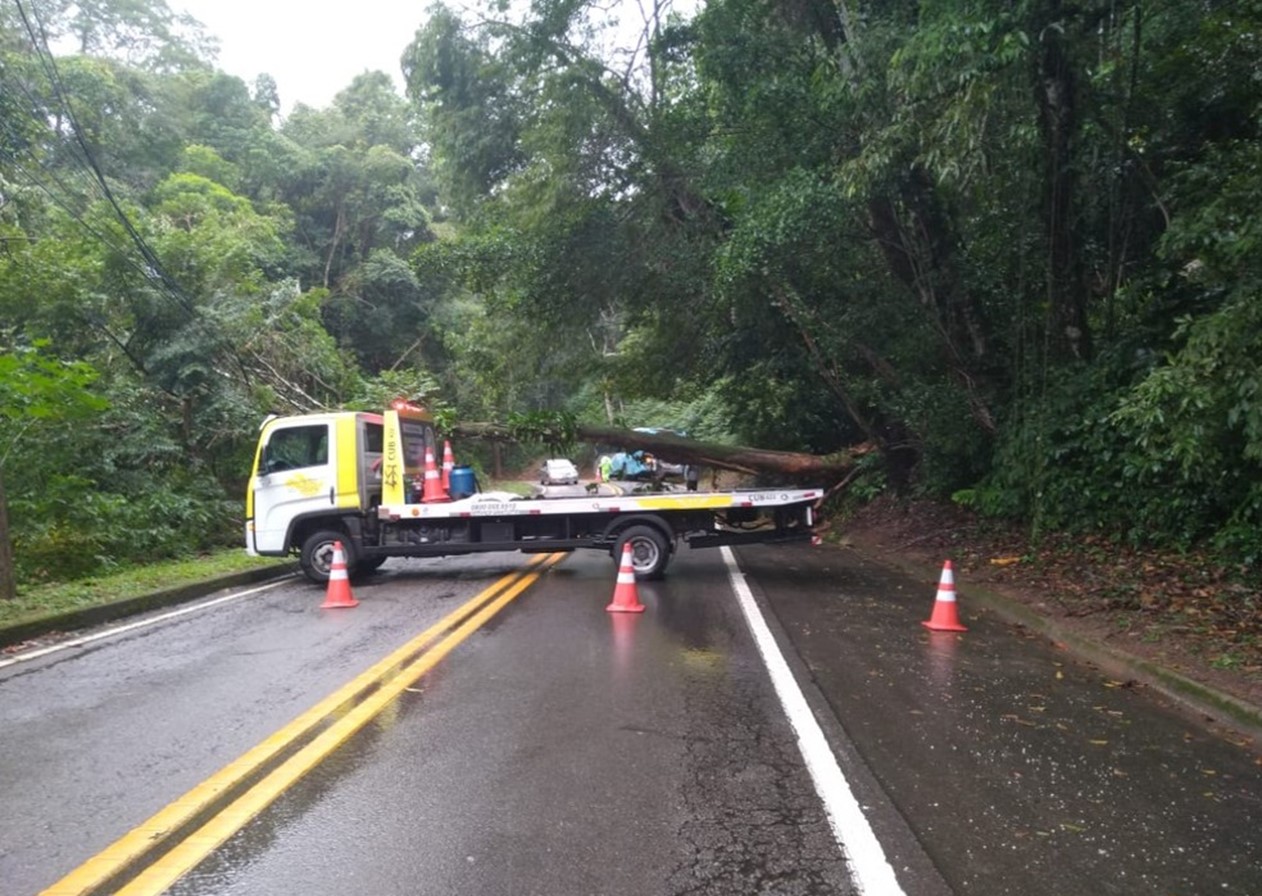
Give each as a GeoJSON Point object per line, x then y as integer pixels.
{"type": "Point", "coordinates": [626, 599]}
{"type": "Point", "coordinates": [433, 490]}
{"type": "Point", "coordinates": [449, 464]}
{"type": "Point", "coordinates": [339, 593]}
{"type": "Point", "coordinates": [945, 617]}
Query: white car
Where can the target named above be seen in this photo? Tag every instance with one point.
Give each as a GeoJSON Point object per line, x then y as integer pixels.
{"type": "Point", "coordinates": [558, 471]}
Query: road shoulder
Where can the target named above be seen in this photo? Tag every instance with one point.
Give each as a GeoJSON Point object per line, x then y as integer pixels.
{"type": "Point", "coordinates": [1020, 588]}
{"type": "Point", "coordinates": [19, 634]}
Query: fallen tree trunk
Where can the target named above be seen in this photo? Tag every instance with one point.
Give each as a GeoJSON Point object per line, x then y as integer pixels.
{"type": "Point", "coordinates": [820, 470]}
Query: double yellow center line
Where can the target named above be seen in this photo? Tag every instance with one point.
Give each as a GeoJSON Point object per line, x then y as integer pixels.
{"type": "Point", "coordinates": [177, 838]}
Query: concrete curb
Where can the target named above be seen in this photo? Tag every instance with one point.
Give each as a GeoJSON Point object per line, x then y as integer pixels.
{"type": "Point", "coordinates": [1189, 693]}
{"type": "Point", "coordinates": [98, 615]}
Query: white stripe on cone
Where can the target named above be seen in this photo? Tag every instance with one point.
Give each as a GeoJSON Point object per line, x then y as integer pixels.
{"type": "Point", "coordinates": [337, 570]}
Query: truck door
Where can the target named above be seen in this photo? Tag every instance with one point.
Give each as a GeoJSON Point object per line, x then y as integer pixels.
{"type": "Point", "coordinates": [296, 476]}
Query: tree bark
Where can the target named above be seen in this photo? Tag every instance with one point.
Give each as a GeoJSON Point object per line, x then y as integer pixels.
{"type": "Point", "coordinates": [8, 576]}
{"type": "Point", "coordinates": [1058, 121]}
{"type": "Point", "coordinates": [920, 246]}
{"type": "Point", "coordinates": [822, 470]}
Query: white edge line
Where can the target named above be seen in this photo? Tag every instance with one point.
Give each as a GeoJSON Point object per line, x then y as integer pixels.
{"type": "Point", "coordinates": [118, 630]}
{"type": "Point", "coordinates": [870, 871]}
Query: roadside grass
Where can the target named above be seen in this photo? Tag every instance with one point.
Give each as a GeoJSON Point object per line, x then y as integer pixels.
{"type": "Point", "coordinates": [37, 601]}
{"type": "Point", "coordinates": [516, 486]}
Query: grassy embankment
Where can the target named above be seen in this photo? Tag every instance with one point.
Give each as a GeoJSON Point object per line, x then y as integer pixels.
{"type": "Point", "coordinates": [36, 601]}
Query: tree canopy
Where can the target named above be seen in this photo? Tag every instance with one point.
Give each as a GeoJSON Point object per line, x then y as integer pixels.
{"type": "Point", "coordinates": [1012, 246]}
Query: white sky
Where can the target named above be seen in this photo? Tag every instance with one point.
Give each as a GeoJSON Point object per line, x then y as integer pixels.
{"type": "Point", "coordinates": [313, 50]}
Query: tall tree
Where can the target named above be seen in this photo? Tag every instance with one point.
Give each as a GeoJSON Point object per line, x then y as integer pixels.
{"type": "Point", "coordinates": [360, 190]}
{"type": "Point", "coordinates": [40, 397]}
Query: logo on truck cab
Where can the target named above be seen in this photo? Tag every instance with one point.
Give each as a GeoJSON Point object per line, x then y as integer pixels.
{"type": "Point", "coordinates": [304, 485]}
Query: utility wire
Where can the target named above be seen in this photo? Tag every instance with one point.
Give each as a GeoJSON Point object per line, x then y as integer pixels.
{"type": "Point", "coordinates": [14, 86]}
{"type": "Point", "coordinates": [152, 269]}
{"type": "Point", "coordinates": [58, 199]}
{"type": "Point", "coordinates": [39, 42]}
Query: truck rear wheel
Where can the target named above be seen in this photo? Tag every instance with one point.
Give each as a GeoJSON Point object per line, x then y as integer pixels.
{"type": "Point", "coordinates": [317, 554]}
{"type": "Point", "coordinates": [650, 551]}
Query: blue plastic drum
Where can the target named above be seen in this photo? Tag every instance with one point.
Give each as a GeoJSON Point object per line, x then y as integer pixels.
{"type": "Point", "coordinates": [462, 483]}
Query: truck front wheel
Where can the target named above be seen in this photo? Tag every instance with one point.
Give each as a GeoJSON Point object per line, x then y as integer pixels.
{"type": "Point", "coordinates": [316, 558]}
{"type": "Point", "coordinates": [650, 551]}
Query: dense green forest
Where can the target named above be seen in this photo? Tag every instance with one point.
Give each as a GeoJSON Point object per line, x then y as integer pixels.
{"type": "Point", "coordinates": [1012, 244]}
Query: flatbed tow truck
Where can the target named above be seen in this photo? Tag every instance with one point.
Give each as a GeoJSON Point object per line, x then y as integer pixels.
{"type": "Point", "coordinates": [357, 478]}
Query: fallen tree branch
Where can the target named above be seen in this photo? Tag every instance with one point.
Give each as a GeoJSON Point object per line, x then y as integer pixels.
{"type": "Point", "coordinates": [833, 471]}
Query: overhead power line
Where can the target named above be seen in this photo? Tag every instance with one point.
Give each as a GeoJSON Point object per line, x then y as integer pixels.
{"type": "Point", "coordinates": [152, 267]}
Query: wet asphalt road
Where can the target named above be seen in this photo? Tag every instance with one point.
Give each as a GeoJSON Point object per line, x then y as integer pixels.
{"type": "Point", "coordinates": [1020, 769]}
{"type": "Point", "coordinates": [94, 740]}
{"type": "Point", "coordinates": [566, 750]}
{"type": "Point", "coordinates": [561, 749]}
